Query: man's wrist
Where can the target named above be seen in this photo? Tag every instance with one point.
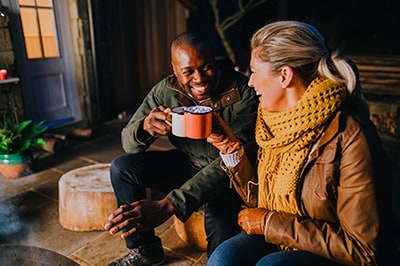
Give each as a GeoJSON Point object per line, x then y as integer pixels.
{"type": "Point", "coordinates": [168, 206]}
{"type": "Point", "coordinates": [141, 135]}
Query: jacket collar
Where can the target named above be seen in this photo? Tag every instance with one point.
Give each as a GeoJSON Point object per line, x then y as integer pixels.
{"type": "Point", "coordinates": [330, 132]}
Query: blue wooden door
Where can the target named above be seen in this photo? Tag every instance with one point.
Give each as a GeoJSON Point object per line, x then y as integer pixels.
{"type": "Point", "coordinates": [41, 39]}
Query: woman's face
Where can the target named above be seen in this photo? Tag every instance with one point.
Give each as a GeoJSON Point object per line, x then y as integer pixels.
{"type": "Point", "coordinates": [267, 84]}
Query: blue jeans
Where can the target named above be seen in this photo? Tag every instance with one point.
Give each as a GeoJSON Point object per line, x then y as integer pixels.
{"type": "Point", "coordinates": [245, 250]}
{"type": "Point", "coordinates": [163, 171]}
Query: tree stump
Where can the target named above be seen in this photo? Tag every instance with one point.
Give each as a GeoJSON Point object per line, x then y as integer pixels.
{"type": "Point", "coordinates": [86, 198]}
{"type": "Point", "coordinates": [192, 231]}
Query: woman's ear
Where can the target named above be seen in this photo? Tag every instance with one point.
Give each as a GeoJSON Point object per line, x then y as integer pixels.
{"type": "Point", "coordinates": [287, 74]}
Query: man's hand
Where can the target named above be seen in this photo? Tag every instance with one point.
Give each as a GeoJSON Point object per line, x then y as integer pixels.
{"type": "Point", "coordinates": [154, 124]}
{"type": "Point", "coordinates": [141, 215]}
{"type": "Point", "coordinates": [253, 220]}
{"type": "Point", "coordinates": [222, 136]}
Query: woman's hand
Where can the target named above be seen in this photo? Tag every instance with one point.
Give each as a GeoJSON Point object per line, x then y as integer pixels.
{"type": "Point", "coordinates": [253, 220]}
{"type": "Point", "coordinates": [222, 136]}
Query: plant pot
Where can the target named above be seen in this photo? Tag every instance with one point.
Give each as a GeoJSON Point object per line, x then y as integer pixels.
{"type": "Point", "coordinates": [14, 165]}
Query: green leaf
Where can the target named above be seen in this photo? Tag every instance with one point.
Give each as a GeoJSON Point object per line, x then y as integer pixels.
{"type": "Point", "coordinates": [21, 137]}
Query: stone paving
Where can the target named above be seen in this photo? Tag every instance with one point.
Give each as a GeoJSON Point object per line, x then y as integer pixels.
{"type": "Point", "coordinates": [29, 206]}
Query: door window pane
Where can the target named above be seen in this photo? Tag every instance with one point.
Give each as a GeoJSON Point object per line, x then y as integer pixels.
{"type": "Point", "coordinates": [47, 29]}
{"type": "Point", "coordinates": [46, 3]}
{"type": "Point", "coordinates": [31, 33]}
{"type": "Point", "coordinates": [26, 2]}
{"type": "Point", "coordinates": [39, 28]}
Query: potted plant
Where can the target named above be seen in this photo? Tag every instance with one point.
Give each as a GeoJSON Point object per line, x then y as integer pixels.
{"type": "Point", "coordinates": [16, 143]}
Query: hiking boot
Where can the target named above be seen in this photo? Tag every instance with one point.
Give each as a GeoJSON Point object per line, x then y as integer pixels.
{"type": "Point", "coordinates": [144, 255]}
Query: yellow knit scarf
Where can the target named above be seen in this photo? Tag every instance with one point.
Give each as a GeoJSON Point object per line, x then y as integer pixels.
{"type": "Point", "coordinates": [285, 140]}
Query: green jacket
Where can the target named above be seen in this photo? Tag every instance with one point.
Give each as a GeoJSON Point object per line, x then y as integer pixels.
{"type": "Point", "coordinates": [233, 100]}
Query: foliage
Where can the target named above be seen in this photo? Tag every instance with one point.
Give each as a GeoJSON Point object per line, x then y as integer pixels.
{"type": "Point", "coordinates": [22, 137]}
{"type": "Point", "coordinates": [222, 26]}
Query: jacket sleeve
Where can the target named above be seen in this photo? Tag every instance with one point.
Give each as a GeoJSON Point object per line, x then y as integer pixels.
{"type": "Point", "coordinates": [129, 134]}
{"type": "Point", "coordinates": [201, 188]}
{"type": "Point", "coordinates": [211, 181]}
{"type": "Point", "coordinates": [243, 178]}
{"type": "Point", "coordinates": [351, 239]}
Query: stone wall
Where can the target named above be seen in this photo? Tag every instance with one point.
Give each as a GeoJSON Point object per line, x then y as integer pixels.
{"type": "Point", "coordinates": [9, 93]}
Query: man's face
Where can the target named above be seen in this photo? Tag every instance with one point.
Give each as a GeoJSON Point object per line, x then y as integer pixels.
{"type": "Point", "coordinates": [195, 70]}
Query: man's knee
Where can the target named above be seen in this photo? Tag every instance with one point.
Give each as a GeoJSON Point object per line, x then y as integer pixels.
{"type": "Point", "coordinates": [221, 219]}
{"type": "Point", "coordinates": [116, 167]}
{"type": "Point", "coordinates": [122, 167]}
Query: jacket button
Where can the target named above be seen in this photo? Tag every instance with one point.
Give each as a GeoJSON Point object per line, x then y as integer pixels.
{"type": "Point", "coordinates": [228, 98]}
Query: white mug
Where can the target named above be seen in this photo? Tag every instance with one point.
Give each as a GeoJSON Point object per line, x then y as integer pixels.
{"type": "Point", "coordinates": [178, 121]}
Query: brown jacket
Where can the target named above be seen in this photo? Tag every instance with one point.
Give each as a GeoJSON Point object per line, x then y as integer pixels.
{"type": "Point", "coordinates": [338, 196]}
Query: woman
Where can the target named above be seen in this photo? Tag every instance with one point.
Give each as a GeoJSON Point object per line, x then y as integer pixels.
{"type": "Point", "coordinates": [318, 201]}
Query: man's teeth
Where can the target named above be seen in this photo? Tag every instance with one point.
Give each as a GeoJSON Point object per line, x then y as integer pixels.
{"type": "Point", "coordinates": [199, 89]}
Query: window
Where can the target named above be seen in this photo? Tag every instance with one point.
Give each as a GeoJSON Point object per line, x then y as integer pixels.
{"type": "Point", "coordinates": [39, 29]}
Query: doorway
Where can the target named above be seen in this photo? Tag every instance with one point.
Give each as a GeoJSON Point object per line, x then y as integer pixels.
{"type": "Point", "coordinates": [41, 40]}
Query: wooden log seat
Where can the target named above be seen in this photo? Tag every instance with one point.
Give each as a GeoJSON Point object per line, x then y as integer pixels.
{"type": "Point", "coordinates": [86, 198]}
{"type": "Point", "coordinates": [192, 231]}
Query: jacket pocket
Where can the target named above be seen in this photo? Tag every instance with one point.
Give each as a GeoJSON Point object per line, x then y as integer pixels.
{"type": "Point", "coordinates": [319, 192]}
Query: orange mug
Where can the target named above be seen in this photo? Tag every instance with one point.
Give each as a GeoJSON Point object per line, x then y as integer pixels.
{"type": "Point", "coordinates": [198, 121]}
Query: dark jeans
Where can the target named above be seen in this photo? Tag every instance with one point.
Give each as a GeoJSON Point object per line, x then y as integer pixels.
{"type": "Point", "coordinates": [245, 250]}
{"type": "Point", "coordinates": [163, 171]}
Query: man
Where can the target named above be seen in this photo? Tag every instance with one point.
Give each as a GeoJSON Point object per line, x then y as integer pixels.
{"type": "Point", "coordinates": [190, 176]}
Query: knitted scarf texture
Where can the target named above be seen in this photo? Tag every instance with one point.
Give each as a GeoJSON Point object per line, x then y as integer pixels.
{"type": "Point", "coordinates": [285, 140]}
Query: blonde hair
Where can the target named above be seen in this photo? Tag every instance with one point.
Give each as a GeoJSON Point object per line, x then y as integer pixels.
{"type": "Point", "coordinates": [302, 47]}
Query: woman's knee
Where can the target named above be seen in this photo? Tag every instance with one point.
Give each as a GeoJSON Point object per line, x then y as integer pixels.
{"type": "Point", "coordinates": [294, 258]}
{"type": "Point", "coordinates": [223, 256]}
{"type": "Point", "coordinates": [241, 249]}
